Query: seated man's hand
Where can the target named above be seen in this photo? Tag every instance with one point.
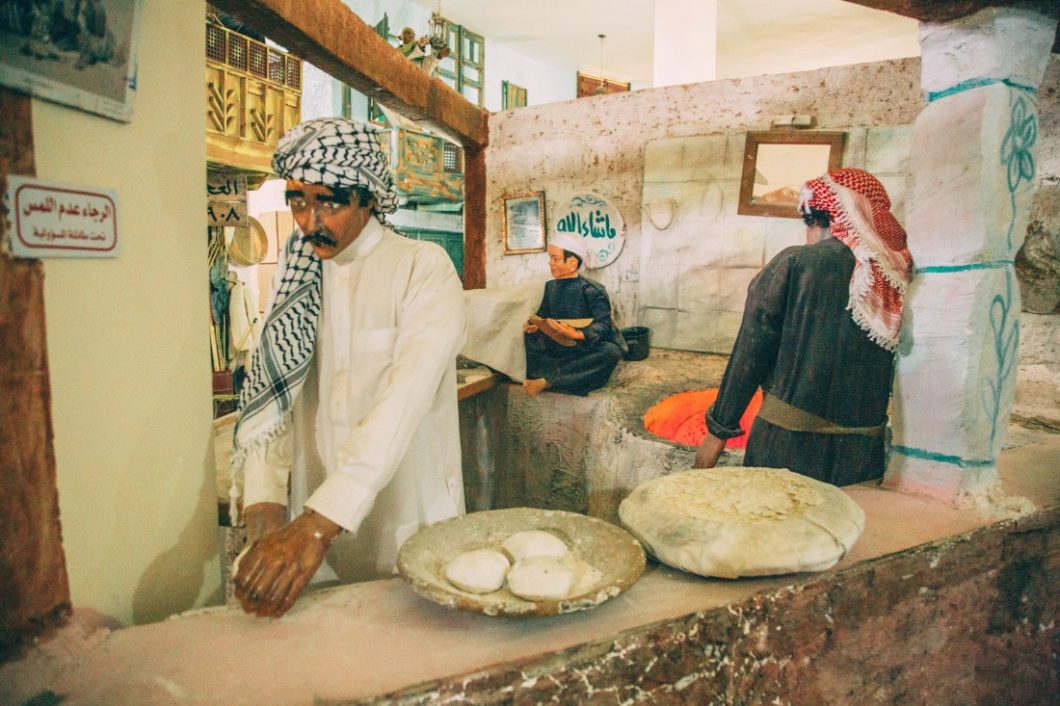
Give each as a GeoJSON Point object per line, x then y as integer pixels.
{"type": "Point", "coordinates": [279, 565]}
{"type": "Point", "coordinates": [561, 333]}
{"type": "Point", "coordinates": [567, 331]}
{"type": "Point", "coordinates": [529, 327]}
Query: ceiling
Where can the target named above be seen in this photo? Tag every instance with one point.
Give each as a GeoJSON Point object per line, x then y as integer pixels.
{"type": "Point", "coordinates": [754, 36]}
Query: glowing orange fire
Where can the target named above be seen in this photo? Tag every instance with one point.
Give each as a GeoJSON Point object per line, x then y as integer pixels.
{"type": "Point", "coordinates": [681, 417]}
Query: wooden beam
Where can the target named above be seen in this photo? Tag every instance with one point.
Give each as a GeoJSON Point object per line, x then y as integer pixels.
{"type": "Point", "coordinates": [34, 590]}
{"type": "Point", "coordinates": [331, 37]}
{"type": "Point", "coordinates": [946, 10]}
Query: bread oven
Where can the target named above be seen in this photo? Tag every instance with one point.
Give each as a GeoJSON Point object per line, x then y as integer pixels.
{"type": "Point", "coordinates": [681, 417]}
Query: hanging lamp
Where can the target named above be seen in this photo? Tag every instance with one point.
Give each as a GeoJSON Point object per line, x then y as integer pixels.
{"type": "Point", "coordinates": [438, 29]}
{"type": "Point", "coordinates": [602, 88]}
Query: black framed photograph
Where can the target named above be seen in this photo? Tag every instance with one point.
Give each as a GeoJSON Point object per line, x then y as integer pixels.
{"type": "Point", "coordinates": [523, 223]}
{"type": "Point", "coordinates": [81, 54]}
{"type": "Point", "coordinates": [776, 165]}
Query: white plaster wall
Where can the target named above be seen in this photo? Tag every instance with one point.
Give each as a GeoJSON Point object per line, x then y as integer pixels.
{"type": "Point", "coordinates": [321, 96]}
{"type": "Point", "coordinates": [605, 143]}
{"type": "Point", "coordinates": [128, 345]}
{"type": "Point", "coordinates": [847, 32]}
{"type": "Point", "coordinates": [544, 83]}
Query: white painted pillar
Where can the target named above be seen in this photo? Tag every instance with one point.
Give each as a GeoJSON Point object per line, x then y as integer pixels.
{"type": "Point", "coordinates": [686, 42]}
{"type": "Point", "coordinates": [973, 167]}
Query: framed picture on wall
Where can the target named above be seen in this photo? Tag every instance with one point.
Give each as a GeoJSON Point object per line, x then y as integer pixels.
{"type": "Point", "coordinates": [523, 223]}
{"type": "Point", "coordinates": [776, 165]}
{"type": "Point", "coordinates": [78, 54]}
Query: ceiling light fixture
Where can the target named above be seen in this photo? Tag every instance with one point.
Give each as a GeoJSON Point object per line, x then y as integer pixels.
{"type": "Point", "coordinates": [602, 88]}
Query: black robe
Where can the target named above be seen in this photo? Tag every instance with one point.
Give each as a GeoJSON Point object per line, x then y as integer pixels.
{"type": "Point", "coordinates": [584, 367]}
{"type": "Point", "coordinates": [799, 343]}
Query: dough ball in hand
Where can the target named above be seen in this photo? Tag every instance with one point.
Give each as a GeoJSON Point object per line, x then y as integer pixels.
{"type": "Point", "coordinates": [541, 578]}
{"type": "Point", "coordinates": [478, 571]}
{"type": "Point", "coordinates": [532, 543]}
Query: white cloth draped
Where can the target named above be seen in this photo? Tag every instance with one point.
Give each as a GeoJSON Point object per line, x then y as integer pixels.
{"type": "Point", "coordinates": [495, 319]}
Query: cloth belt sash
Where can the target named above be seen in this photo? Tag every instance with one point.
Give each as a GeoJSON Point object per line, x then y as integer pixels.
{"type": "Point", "coordinates": [779, 413]}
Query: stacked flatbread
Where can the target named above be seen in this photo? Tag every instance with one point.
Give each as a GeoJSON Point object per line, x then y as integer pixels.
{"type": "Point", "coordinates": [732, 522]}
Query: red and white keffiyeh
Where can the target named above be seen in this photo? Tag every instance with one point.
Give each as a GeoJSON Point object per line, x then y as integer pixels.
{"type": "Point", "coordinates": [861, 218]}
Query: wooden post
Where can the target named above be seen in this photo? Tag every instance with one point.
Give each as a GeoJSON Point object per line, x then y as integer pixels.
{"type": "Point", "coordinates": [34, 591]}
{"type": "Point", "coordinates": [474, 218]}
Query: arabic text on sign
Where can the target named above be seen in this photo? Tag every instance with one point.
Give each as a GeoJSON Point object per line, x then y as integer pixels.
{"type": "Point", "coordinates": [225, 213]}
{"type": "Point", "coordinates": [596, 225]}
{"type": "Point", "coordinates": [53, 220]}
{"type": "Point", "coordinates": [226, 187]}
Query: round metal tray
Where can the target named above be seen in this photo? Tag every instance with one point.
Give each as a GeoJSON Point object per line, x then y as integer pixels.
{"type": "Point", "coordinates": [613, 552]}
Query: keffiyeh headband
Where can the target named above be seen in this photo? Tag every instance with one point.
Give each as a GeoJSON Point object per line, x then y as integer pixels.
{"type": "Point", "coordinates": [859, 210]}
{"type": "Point", "coordinates": [337, 152]}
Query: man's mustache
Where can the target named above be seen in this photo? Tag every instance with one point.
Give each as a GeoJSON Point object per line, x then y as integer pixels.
{"type": "Point", "coordinates": [320, 238]}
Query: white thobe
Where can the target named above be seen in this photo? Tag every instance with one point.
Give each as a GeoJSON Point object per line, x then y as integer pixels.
{"type": "Point", "coordinates": [380, 403]}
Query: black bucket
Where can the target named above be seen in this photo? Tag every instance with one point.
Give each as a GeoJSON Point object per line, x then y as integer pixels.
{"type": "Point", "coordinates": [638, 338]}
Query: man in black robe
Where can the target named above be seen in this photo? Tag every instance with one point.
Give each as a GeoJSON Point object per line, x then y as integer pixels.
{"type": "Point", "coordinates": [572, 345]}
{"type": "Point", "coordinates": [819, 331]}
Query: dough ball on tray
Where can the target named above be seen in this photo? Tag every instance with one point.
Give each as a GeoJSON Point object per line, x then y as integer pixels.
{"type": "Point", "coordinates": [533, 543]}
{"type": "Point", "coordinates": [541, 578]}
{"type": "Point", "coordinates": [478, 570]}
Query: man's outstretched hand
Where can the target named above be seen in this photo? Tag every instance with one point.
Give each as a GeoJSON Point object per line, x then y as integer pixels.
{"type": "Point", "coordinates": [709, 451]}
{"type": "Point", "coordinates": [279, 565]}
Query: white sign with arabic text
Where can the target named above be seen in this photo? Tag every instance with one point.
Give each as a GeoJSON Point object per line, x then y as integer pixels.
{"type": "Point", "coordinates": [595, 219]}
{"type": "Point", "coordinates": [59, 220]}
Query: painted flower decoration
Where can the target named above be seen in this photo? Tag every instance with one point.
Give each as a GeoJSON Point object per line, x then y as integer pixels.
{"type": "Point", "coordinates": [1016, 147]}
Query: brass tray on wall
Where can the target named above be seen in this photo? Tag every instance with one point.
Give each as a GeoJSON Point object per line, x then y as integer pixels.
{"type": "Point", "coordinates": [611, 550]}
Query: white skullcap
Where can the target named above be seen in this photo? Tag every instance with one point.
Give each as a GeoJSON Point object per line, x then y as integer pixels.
{"type": "Point", "coordinates": [573, 244]}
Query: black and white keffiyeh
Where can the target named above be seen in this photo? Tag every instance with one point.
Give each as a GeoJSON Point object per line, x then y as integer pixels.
{"type": "Point", "coordinates": [281, 360]}
{"type": "Point", "coordinates": [337, 152]}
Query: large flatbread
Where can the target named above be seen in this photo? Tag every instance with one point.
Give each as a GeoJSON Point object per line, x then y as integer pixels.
{"type": "Point", "coordinates": [732, 522]}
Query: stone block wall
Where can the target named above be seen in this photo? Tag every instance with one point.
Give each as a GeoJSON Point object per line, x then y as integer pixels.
{"type": "Point", "coordinates": [694, 272]}
{"type": "Point", "coordinates": [612, 144]}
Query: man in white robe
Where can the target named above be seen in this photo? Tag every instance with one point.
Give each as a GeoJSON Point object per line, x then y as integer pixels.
{"type": "Point", "coordinates": [352, 394]}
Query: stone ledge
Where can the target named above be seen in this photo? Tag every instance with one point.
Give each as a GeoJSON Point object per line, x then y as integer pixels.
{"type": "Point", "coordinates": [965, 620]}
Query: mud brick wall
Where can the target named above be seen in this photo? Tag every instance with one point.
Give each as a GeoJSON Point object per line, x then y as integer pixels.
{"type": "Point", "coordinates": [968, 620]}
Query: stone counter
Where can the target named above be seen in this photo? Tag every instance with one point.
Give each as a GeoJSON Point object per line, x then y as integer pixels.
{"type": "Point", "coordinates": [583, 454]}
{"type": "Point", "coordinates": [934, 605]}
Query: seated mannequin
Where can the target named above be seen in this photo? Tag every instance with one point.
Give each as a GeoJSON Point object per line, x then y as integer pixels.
{"type": "Point", "coordinates": [572, 345]}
